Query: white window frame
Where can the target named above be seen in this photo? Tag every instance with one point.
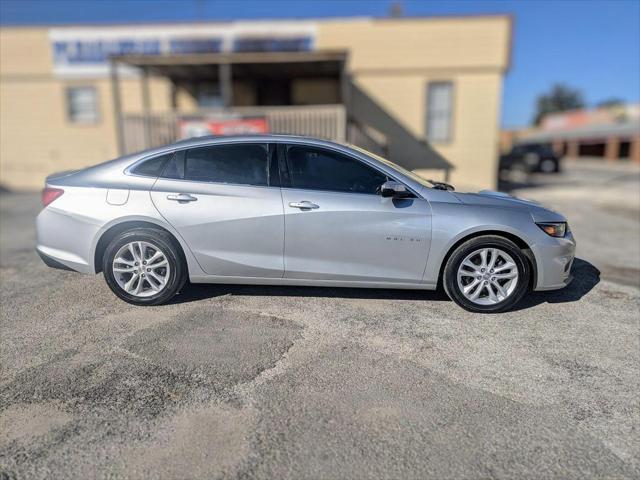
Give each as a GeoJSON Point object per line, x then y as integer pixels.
{"type": "Point", "coordinates": [72, 116]}
{"type": "Point", "coordinates": [446, 114]}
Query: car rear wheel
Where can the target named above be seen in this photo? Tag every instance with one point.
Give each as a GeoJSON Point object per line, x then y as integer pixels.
{"type": "Point", "coordinates": [548, 165]}
{"type": "Point", "coordinates": [144, 266]}
{"type": "Point", "coordinates": [487, 274]}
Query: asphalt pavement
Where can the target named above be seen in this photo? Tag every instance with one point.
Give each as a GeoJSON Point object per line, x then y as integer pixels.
{"type": "Point", "coordinates": [294, 383]}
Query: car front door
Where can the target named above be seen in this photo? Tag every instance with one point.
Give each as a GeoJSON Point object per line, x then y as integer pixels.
{"type": "Point", "coordinates": [338, 226]}
{"type": "Point", "coordinates": [226, 204]}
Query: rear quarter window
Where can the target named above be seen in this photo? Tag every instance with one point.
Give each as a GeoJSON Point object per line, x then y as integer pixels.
{"type": "Point", "coordinates": [152, 167]}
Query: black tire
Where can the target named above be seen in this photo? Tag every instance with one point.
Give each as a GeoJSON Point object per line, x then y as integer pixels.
{"type": "Point", "coordinates": [450, 282]}
{"type": "Point", "coordinates": [548, 165]}
{"type": "Point", "coordinates": [168, 245]}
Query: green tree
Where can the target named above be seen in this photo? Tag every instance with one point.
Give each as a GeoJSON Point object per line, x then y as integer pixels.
{"type": "Point", "coordinates": [610, 102]}
{"type": "Point", "coordinates": [559, 99]}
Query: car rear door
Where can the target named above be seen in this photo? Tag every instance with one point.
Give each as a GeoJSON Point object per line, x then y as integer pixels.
{"type": "Point", "coordinates": [225, 201]}
{"type": "Point", "coordinates": [338, 227]}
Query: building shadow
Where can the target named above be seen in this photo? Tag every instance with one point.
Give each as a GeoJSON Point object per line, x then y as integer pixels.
{"type": "Point", "coordinates": [404, 147]}
{"type": "Point", "coordinates": [586, 276]}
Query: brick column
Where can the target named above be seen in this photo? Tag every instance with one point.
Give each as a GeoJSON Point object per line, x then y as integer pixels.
{"type": "Point", "coordinates": [558, 146]}
{"type": "Point", "coordinates": [612, 149]}
{"type": "Point", "coordinates": [634, 152]}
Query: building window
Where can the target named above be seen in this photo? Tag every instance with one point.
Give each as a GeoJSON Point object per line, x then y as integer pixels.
{"type": "Point", "coordinates": [82, 104]}
{"type": "Point", "coordinates": [209, 95]}
{"type": "Point", "coordinates": [439, 111]}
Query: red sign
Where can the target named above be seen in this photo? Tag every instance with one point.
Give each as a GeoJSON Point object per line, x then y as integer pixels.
{"type": "Point", "coordinates": [229, 126]}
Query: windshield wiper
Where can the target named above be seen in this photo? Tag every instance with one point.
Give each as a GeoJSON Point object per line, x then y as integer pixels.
{"type": "Point", "coordinates": [441, 185]}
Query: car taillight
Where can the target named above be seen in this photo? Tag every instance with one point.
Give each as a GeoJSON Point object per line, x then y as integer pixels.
{"type": "Point", "coordinates": [50, 194]}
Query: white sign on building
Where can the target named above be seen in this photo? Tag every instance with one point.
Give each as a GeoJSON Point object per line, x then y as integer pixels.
{"type": "Point", "coordinates": [84, 51]}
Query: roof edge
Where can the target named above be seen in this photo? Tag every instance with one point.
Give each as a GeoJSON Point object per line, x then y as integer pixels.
{"type": "Point", "coordinates": [439, 17]}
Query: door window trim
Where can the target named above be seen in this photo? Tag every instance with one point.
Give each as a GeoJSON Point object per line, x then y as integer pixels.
{"type": "Point", "coordinates": [179, 154]}
{"type": "Point", "coordinates": [286, 177]}
{"type": "Point", "coordinates": [277, 154]}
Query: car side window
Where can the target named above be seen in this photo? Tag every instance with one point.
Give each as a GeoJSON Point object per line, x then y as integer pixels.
{"type": "Point", "coordinates": [175, 167]}
{"type": "Point", "coordinates": [242, 163]}
{"type": "Point", "coordinates": [152, 167]}
{"type": "Point", "coordinates": [314, 168]}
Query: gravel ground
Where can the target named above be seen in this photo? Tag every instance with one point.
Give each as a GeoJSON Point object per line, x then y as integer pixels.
{"type": "Point", "coordinates": [274, 382]}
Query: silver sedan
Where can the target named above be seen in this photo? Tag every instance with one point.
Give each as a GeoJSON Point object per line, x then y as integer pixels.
{"type": "Point", "coordinates": [285, 210]}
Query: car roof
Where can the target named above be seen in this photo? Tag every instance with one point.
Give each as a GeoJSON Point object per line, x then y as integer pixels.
{"type": "Point", "coordinates": [248, 138]}
{"type": "Point", "coordinates": [128, 161]}
{"type": "Point", "coordinates": [221, 139]}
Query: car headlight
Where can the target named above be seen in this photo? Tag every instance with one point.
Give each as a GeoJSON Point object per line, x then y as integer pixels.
{"type": "Point", "coordinates": [558, 229]}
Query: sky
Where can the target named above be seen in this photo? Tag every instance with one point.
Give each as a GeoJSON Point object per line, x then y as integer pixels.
{"type": "Point", "coordinates": [592, 45]}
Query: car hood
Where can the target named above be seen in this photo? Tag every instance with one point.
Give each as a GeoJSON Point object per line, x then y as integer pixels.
{"type": "Point", "coordinates": [500, 199]}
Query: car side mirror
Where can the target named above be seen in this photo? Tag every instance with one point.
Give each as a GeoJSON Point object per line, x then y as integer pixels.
{"type": "Point", "coordinates": [394, 189]}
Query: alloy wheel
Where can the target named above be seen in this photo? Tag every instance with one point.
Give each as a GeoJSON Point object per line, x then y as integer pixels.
{"type": "Point", "coordinates": [141, 269]}
{"type": "Point", "coordinates": [487, 276]}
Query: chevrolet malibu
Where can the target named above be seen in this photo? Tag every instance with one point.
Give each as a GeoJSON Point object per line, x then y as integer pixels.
{"type": "Point", "coordinates": [285, 210]}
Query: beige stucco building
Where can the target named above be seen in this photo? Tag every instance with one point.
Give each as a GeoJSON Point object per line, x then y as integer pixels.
{"type": "Point", "coordinates": [424, 91]}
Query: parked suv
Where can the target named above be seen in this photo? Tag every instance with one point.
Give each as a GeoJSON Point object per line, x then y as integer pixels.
{"type": "Point", "coordinates": [531, 158]}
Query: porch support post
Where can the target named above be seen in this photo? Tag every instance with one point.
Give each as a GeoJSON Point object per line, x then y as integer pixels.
{"type": "Point", "coordinates": [146, 107]}
{"type": "Point", "coordinates": [174, 95]}
{"type": "Point", "coordinates": [174, 108]}
{"type": "Point", "coordinates": [345, 97]}
{"type": "Point", "coordinates": [117, 105]}
{"type": "Point", "coordinates": [225, 76]}
{"type": "Point", "coordinates": [345, 85]}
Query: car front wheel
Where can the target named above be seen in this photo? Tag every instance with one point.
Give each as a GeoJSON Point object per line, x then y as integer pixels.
{"type": "Point", "coordinates": [487, 274]}
{"type": "Point", "coordinates": [144, 266]}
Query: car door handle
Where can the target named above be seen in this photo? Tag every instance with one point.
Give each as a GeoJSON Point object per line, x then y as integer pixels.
{"type": "Point", "coordinates": [182, 197]}
{"type": "Point", "coordinates": [304, 205]}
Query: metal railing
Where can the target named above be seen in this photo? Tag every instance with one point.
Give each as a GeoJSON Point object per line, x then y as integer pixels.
{"type": "Point", "coordinates": [148, 131]}
{"type": "Point", "coordinates": [321, 121]}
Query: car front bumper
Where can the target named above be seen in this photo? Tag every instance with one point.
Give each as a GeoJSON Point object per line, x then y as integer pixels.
{"type": "Point", "coordinates": [554, 259]}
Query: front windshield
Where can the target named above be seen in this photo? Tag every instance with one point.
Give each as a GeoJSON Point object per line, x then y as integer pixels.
{"type": "Point", "coordinates": [397, 168]}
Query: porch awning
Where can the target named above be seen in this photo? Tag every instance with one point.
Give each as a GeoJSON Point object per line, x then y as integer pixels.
{"type": "Point", "coordinates": [316, 63]}
{"type": "Point", "coordinates": [403, 147]}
